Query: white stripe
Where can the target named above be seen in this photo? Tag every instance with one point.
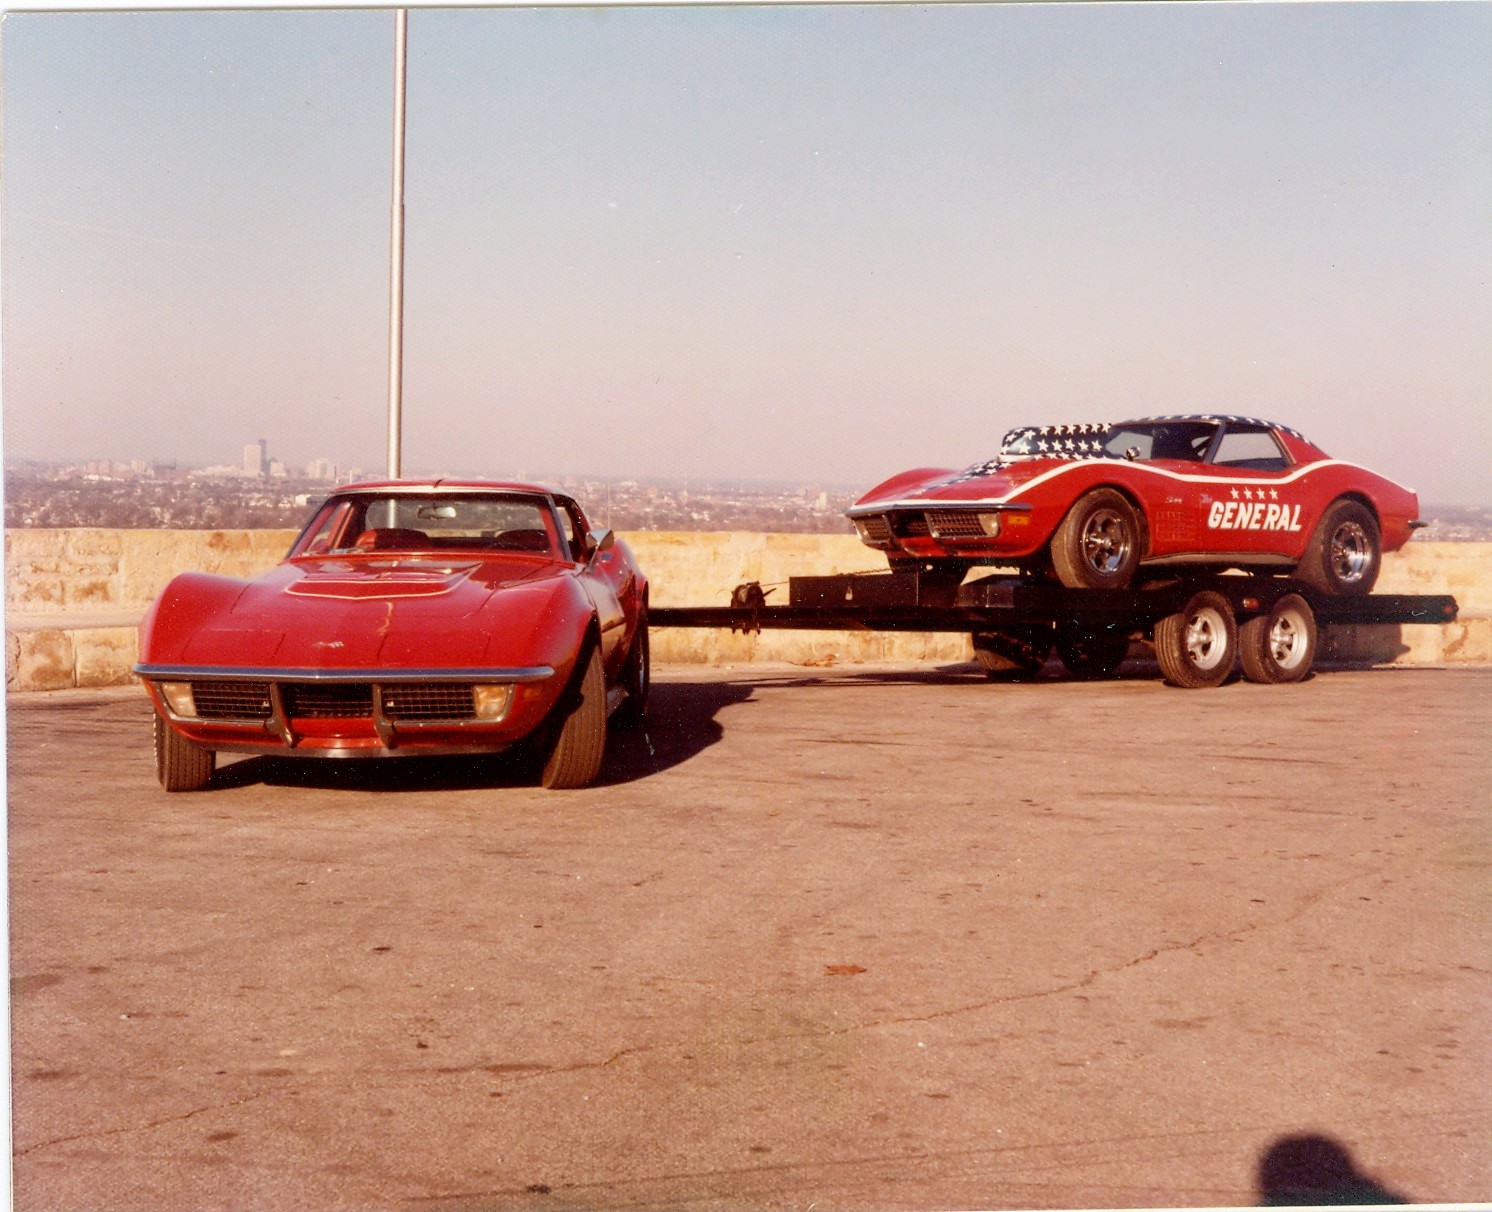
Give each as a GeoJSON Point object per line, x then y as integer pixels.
{"type": "Point", "coordinates": [1220, 481]}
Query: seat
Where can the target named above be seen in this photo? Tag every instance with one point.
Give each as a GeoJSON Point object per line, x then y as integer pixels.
{"type": "Point", "coordinates": [522, 540]}
{"type": "Point", "coordinates": [392, 538]}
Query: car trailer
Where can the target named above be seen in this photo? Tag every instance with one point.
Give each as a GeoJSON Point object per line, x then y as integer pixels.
{"type": "Point", "coordinates": [1199, 627]}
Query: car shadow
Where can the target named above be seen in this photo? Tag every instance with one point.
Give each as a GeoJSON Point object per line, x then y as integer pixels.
{"type": "Point", "coordinates": [1312, 1170]}
{"type": "Point", "coordinates": [680, 724]}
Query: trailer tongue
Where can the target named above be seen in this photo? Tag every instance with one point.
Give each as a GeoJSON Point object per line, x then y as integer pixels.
{"type": "Point", "coordinates": [1199, 627]}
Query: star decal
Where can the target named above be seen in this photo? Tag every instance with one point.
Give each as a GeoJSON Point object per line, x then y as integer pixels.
{"type": "Point", "coordinates": [1234, 493]}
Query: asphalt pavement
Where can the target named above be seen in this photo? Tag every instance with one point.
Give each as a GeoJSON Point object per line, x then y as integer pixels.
{"type": "Point", "coordinates": [886, 937]}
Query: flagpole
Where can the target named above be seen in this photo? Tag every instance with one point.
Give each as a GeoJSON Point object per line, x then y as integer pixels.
{"type": "Point", "coordinates": [396, 256]}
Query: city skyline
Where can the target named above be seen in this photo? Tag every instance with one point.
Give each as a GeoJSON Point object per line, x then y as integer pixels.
{"type": "Point", "coordinates": [753, 243]}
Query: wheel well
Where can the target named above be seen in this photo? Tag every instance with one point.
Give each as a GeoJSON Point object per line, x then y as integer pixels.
{"type": "Point", "coordinates": [1133, 504]}
{"type": "Point", "coordinates": [1366, 503]}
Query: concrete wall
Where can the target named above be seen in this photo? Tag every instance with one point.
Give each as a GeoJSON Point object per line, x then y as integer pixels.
{"type": "Point", "coordinates": [73, 598]}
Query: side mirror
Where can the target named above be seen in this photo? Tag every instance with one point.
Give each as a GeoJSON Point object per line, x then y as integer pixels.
{"type": "Point", "coordinates": [598, 541]}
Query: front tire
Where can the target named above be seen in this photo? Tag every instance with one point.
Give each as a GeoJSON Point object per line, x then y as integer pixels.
{"type": "Point", "coordinates": [575, 759]}
{"type": "Point", "coordinates": [1344, 553]}
{"type": "Point", "coordinates": [1196, 645]}
{"type": "Point", "coordinates": [1098, 544]}
{"type": "Point", "coordinates": [1279, 645]}
{"type": "Point", "coordinates": [180, 764]}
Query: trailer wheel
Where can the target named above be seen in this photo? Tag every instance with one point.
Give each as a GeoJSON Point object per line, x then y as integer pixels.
{"type": "Point", "coordinates": [1196, 645]}
{"type": "Point", "coordinates": [1279, 645]}
{"type": "Point", "coordinates": [1092, 652]}
{"type": "Point", "coordinates": [1014, 655]}
{"type": "Point", "coordinates": [1097, 546]}
{"type": "Point", "coordinates": [180, 764]}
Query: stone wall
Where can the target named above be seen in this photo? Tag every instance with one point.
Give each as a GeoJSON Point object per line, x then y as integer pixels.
{"type": "Point", "coordinates": [73, 599]}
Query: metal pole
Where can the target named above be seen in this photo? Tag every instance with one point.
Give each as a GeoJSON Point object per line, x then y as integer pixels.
{"type": "Point", "coordinates": [396, 256]}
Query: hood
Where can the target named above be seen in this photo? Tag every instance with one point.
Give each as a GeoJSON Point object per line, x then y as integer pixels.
{"type": "Point", "coordinates": [992, 481]}
{"type": "Point", "coordinates": [367, 611]}
{"type": "Point", "coordinates": [465, 584]}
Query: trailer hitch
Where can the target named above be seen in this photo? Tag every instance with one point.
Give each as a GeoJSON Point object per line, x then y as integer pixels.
{"type": "Point", "coordinates": [752, 597]}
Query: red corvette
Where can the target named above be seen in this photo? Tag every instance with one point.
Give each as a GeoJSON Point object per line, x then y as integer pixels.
{"type": "Point", "coordinates": [408, 618]}
{"type": "Point", "coordinates": [1094, 504]}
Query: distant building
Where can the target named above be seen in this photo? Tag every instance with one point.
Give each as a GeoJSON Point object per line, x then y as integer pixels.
{"type": "Point", "coordinates": [256, 458]}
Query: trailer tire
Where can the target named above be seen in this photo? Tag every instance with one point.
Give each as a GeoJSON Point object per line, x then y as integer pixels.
{"type": "Point", "coordinates": [1098, 544]}
{"type": "Point", "coordinates": [1092, 652]}
{"type": "Point", "coordinates": [1014, 655]}
{"type": "Point", "coordinates": [1196, 646]}
{"type": "Point", "coordinates": [1279, 645]}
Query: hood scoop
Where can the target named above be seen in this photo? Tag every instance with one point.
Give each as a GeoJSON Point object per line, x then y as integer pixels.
{"type": "Point", "coordinates": [381, 579]}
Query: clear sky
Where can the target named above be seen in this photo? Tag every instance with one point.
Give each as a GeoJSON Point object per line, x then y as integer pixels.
{"type": "Point", "coordinates": [811, 244]}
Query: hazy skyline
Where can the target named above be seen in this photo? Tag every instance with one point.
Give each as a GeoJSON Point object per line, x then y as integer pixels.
{"type": "Point", "coordinates": [801, 243]}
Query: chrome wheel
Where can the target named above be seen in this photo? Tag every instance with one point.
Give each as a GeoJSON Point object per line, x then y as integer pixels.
{"type": "Point", "coordinates": [1351, 553]}
{"type": "Point", "coordinates": [1107, 541]}
{"type": "Point", "coordinates": [1196, 646]}
{"type": "Point", "coordinates": [1280, 644]}
{"type": "Point", "coordinates": [1206, 639]}
{"type": "Point", "coordinates": [1343, 555]}
{"type": "Point", "coordinates": [1287, 641]}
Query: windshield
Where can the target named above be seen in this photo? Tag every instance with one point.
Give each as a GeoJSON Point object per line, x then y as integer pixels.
{"type": "Point", "coordinates": [431, 522]}
{"type": "Point", "coordinates": [1185, 440]}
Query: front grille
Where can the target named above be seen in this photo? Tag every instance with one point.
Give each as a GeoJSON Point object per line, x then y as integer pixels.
{"type": "Point", "coordinates": [912, 526]}
{"type": "Point", "coordinates": [231, 700]}
{"type": "Point", "coordinates": [408, 701]}
{"type": "Point", "coordinates": [331, 700]}
{"type": "Point", "coordinates": [428, 701]}
{"type": "Point", "coordinates": [954, 524]}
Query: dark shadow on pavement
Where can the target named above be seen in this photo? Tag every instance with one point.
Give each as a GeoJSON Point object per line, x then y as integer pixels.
{"type": "Point", "coordinates": [680, 724]}
{"type": "Point", "coordinates": [1310, 1170]}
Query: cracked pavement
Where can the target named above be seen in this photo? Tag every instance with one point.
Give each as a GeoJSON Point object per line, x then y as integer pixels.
{"type": "Point", "coordinates": [861, 938]}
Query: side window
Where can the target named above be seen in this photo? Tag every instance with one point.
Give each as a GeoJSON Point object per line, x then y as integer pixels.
{"type": "Point", "coordinates": [572, 527]}
{"type": "Point", "coordinates": [322, 531]}
{"type": "Point", "coordinates": [1250, 450]}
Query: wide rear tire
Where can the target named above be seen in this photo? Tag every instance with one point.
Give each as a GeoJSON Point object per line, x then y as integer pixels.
{"type": "Point", "coordinates": [1197, 645]}
{"type": "Point", "coordinates": [179, 764]}
{"type": "Point", "coordinates": [575, 759]}
{"type": "Point", "coordinates": [1099, 543]}
{"type": "Point", "coordinates": [1344, 554]}
{"type": "Point", "coordinates": [1280, 644]}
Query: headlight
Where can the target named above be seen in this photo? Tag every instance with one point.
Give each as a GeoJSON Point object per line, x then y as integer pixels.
{"type": "Point", "coordinates": [491, 702]}
{"type": "Point", "coordinates": [178, 696]}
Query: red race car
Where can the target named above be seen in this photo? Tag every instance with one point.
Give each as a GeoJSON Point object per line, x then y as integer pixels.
{"type": "Point", "coordinates": [408, 618]}
{"type": "Point", "coordinates": [1093, 504]}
